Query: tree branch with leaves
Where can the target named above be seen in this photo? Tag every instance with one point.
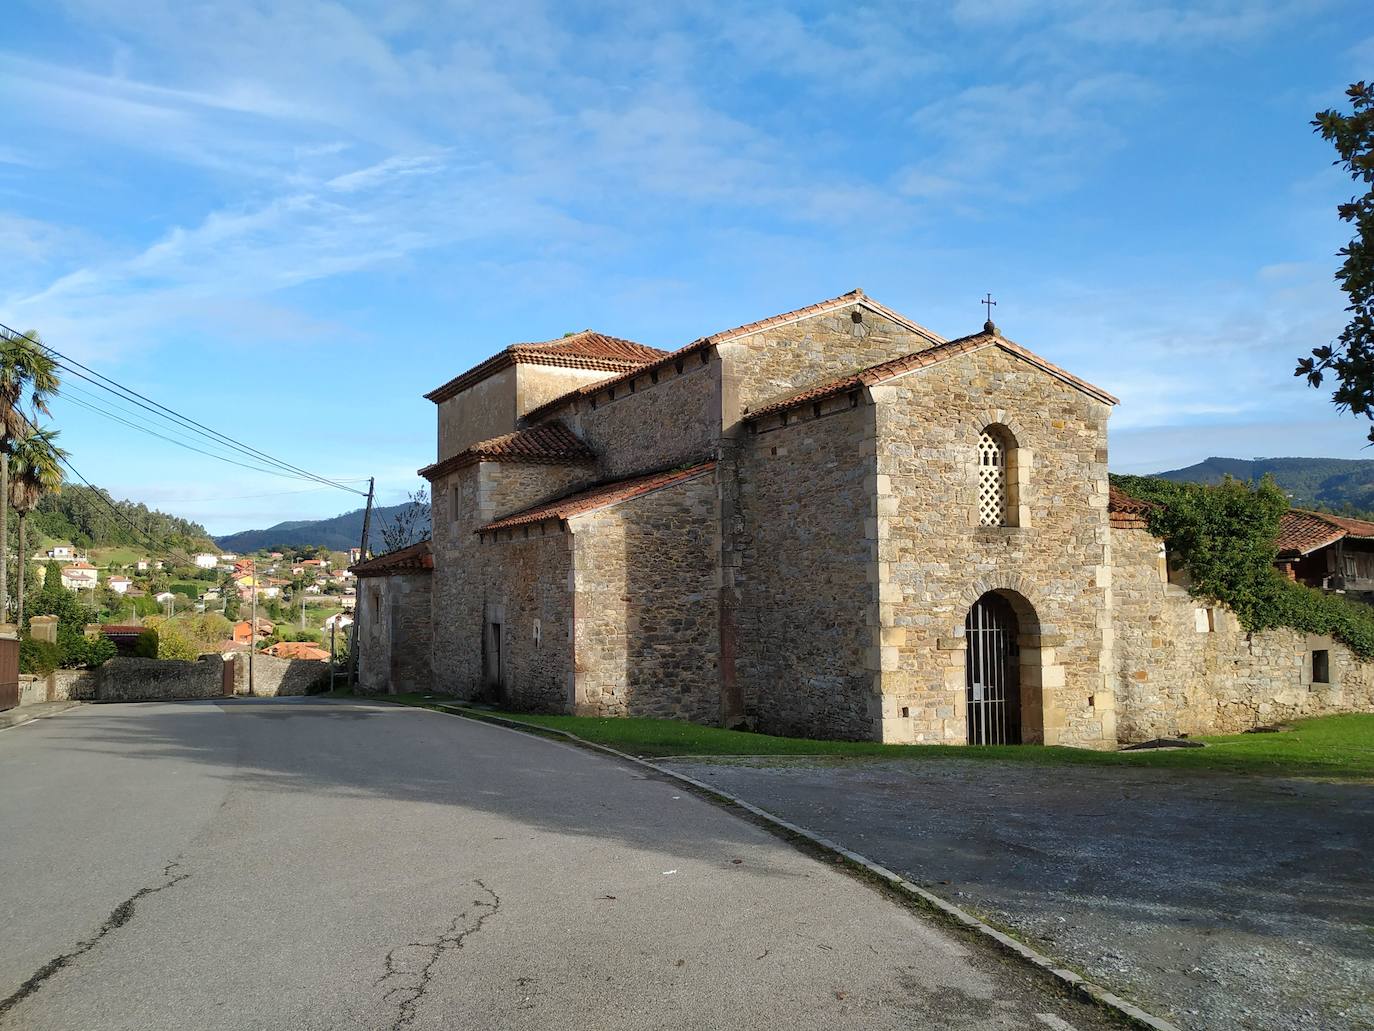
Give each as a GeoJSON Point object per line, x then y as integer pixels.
{"type": "Point", "coordinates": [1350, 360]}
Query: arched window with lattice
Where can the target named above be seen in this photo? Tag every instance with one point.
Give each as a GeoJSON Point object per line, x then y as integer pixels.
{"type": "Point", "coordinates": [996, 470]}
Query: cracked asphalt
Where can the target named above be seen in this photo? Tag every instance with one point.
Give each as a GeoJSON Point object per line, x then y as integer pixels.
{"type": "Point", "coordinates": [314, 863]}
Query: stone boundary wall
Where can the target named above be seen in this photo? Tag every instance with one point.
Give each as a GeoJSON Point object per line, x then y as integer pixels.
{"type": "Point", "coordinates": [273, 677]}
{"type": "Point", "coordinates": [1186, 667]}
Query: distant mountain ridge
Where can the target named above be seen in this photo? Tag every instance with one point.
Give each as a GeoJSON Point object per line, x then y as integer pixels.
{"type": "Point", "coordinates": [1338, 484]}
{"type": "Point", "coordinates": [337, 534]}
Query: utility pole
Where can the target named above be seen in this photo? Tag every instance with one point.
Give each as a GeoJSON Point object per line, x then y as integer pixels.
{"type": "Point", "coordinates": [362, 553]}
{"type": "Point", "coordinates": [253, 624]}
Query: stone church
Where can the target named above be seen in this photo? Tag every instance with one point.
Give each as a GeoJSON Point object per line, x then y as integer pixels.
{"type": "Point", "coordinates": [832, 522]}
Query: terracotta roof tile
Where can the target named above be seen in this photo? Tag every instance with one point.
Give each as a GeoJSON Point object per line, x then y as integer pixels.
{"type": "Point", "coordinates": [875, 374]}
{"type": "Point", "coordinates": [598, 497]}
{"type": "Point", "coordinates": [701, 343]}
{"type": "Point", "coordinates": [1125, 512]}
{"type": "Point", "coordinates": [586, 350]}
{"type": "Point", "coordinates": [550, 443]}
{"type": "Point", "coordinates": [418, 558]}
{"type": "Point", "coordinates": [1302, 532]}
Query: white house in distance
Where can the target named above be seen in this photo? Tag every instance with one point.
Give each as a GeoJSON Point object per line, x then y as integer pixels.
{"type": "Point", "coordinates": [142, 565]}
{"type": "Point", "coordinates": [338, 621]}
{"type": "Point", "coordinates": [79, 576]}
{"type": "Point", "coordinates": [62, 552]}
{"type": "Point", "coordinates": [119, 584]}
{"type": "Point", "coordinates": [164, 597]}
{"type": "Point", "coordinates": [206, 561]}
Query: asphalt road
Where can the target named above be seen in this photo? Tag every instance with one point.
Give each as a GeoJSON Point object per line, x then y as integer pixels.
{"type": "Point", "coordinates": [306, 863]}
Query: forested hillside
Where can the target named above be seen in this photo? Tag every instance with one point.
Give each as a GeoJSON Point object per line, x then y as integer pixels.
{"type": "Point", "coordinates": [338, 534]}
{"type": "Point", "coordinates": [78, 515]}
{"type": "Point", "coordinates": [1340, 485]}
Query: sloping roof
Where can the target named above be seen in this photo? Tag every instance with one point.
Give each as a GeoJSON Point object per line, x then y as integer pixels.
{"type": "Point", "coordinates": [298, 650]}
{"type": "Point", "coordinates": [550, 443]}
{"type": "Point", "coordinates": [1302, 532]}
{"type": "Point", "coordinates": [701, 343]}
{"type": "Point", "coordinates": [1125, 512]}
{"type": "Point", "coordinates": [598, 497]}
{"type": "Point", "coordinates": [585, 350]}
{"type": "Point", "coordinates": [418, 558]}
{"type": "Point", "coordinates": [875, 374]}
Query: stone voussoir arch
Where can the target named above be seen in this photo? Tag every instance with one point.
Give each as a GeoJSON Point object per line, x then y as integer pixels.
{"type": "Point", "coordinates": [1023, 587]}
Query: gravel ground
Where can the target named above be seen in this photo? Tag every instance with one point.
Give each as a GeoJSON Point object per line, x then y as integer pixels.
{"type": "Point", "coordinates": [1215, 901]}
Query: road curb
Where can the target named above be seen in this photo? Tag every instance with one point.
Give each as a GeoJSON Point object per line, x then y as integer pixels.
{"type": "Point", "coordinates": [1070, 980]}
{"type": "Point", "coordinates": [8, 722]}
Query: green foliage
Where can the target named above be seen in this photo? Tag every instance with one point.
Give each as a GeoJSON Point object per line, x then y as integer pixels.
{"type": "Point", "coordinates": [38, 657]}
{"type": "Point", "coordinates": [79, 515]}
{"type": "Point", "coordinates": [1351, 358]}
{"type": "Point", "coordinates": [146, 646]}
{"type": "Point", "coordinates": [85, 652]}
{"type": "Point", "coordinates": [1224, 536]}
{"type": "Point", "coordinates": [188, 637]}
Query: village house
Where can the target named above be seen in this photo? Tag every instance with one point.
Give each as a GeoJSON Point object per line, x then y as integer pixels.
{"type": "Point", "coordinates": [243, 630]}
{"type": "Point", "coordinates": [1335, 553]}
{"type": "Point", "coordinates": [832, 522]}
{"type": "Point", "coordinates": [61, 552]}
{"type": "Point", "coordinates": [79, 576]}
{"type": "Point", "coordinates": [206, 561]}
{"type": "Point", "coordinates": [119, 584]}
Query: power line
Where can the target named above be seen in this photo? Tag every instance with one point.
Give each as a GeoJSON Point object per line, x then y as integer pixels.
{"type": "Point", "coordinates": [91, 406]}
{"type": "Point", "coordinates": [185, 422]}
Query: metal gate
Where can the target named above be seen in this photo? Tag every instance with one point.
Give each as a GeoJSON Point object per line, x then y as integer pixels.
{"type": "Point", "coordinates": [992, 673]}
{"type": "Point", "coordinates": [9, 672]}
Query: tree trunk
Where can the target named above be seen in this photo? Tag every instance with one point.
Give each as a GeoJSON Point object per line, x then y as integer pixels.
{"type": "Point", "coordinates": [19, 576]}
{"type": "Point", "coordinates": [5, 536]}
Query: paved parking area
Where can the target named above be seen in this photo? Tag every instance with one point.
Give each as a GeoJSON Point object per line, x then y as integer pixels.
{"type": "Point", "coordinates": [1215, 901]}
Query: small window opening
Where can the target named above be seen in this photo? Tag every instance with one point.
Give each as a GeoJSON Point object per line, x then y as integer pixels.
{"type": "Point", "coordinates": [1321, 666]}
{"type": "Point", "coordinates": [992, 479]}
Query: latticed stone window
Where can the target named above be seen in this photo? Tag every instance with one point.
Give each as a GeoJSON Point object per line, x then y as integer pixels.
{"type": "Point", "coordinates": [992, 479]}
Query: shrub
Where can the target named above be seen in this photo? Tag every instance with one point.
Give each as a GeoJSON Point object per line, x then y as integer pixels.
{"type": "Point", "coordinates": [38, 657]}
{"type": "Point", "coordinates": [146, 645]}
{"type": "Point", "coordinates": [86, 652]}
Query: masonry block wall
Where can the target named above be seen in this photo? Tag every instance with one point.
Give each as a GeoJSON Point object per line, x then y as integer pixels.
{"type": "Point", "coordinates": [645, 606]}
{"type": "Point", "coordinates": [784, 358]}
{"type": "Point", "coordinates": [805, 574]}
{"type": "Point", "coordinates": [1183, 666]}
{"type": "Point", "coordinates": [652, 420]}
{"type": "Point", "coordinates": [934, 560]}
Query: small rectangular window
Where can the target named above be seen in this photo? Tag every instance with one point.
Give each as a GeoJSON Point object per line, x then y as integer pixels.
{"type": "Point", "coordinates": [1321, 666]}
{"type": "Point", "coordinates": [453, 506]}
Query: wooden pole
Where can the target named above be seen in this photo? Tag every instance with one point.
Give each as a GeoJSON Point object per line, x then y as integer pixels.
{"type": "Point", "coordinates": [357, 591]}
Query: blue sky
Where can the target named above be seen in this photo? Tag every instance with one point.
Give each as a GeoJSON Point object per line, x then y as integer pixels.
{"type": "Point", "coordinates": [293, 217]}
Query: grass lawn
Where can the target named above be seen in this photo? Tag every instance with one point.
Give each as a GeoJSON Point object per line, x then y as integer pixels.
{"type": "Point", "coordinates": [1331, 746]}
{"type": "Point", "coordinates": [116, 556]}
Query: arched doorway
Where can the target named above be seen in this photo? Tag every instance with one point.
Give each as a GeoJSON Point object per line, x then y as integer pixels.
{"type": "Point", "coordinates": [992, 672]}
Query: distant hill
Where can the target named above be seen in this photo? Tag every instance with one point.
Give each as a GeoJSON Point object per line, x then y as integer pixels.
{"type": "Point", "coordinates": [91, 517]}
{"type": "Point", "coordinates": [338, 534]}
{"type": "Point", "coordinates": [1341, 485]}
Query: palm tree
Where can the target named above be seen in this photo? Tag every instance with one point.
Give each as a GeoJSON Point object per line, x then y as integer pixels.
{"type": "Point", "coordinates": [25, 368]}
{"type": "Point", "coordinates": [36, 468]}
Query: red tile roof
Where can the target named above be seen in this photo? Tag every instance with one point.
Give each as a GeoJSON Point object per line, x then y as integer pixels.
{"type": "Point", "coordinates": [298, 650]}
{"type": "Point", "coordinates": [701, 343]}
{"type": "Point", "coordinates": [550, 443]}
{"type": "Point", "coordinates": [598, 497]}
{"type": "Point", "coordinates": [875, 374]}
{"type": "Point", "coordinates": [585, 350]}
{"type": "Point", "coordinates": [1302, 532]}
{"type": "Point", "coordinates": [418, 558]}
{"type": "Point", "coordinates": [1126, 512]}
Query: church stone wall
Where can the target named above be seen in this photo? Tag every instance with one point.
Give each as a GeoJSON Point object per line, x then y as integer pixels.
{"type": "Point", "coordinates": [482, 411]}
{"type": "Point", "coordinates": [654, 425]}
{"type": "Point", "coordinates": [393, 615]}
{"type": "Point", "coordinates": [645, 607]}
{"type": "Point", "coordinates": [783, 359]}
{"type": "Point", "coordinates": [934, 559]}
{"type": "Point", "coordinates": [1186, 667]}
{"type": "Point", "coordinates": [804, 575]}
